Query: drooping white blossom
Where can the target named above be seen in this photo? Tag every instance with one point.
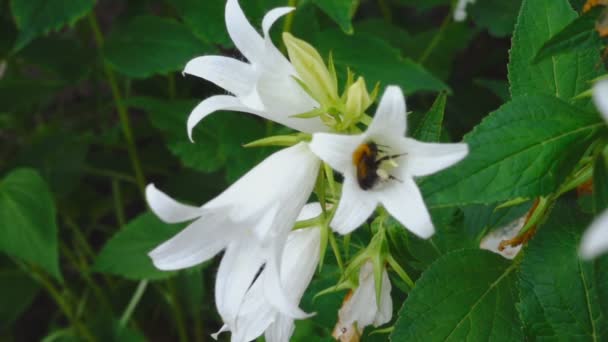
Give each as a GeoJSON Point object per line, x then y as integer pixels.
{"type": "Point", "coordinates": [250, 221]}
{"type": "Point", "coordinates": [263, 86]}
{"type": "Point", "coordinates": [388, 178]}
{"type": "Point", "coordinates": [300, 258]}
{"type": "Point", "coordinates": [361, 309]}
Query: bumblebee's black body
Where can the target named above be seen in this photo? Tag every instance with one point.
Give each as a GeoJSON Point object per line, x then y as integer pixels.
{"type": "Point", "coordinates": [366, 162]}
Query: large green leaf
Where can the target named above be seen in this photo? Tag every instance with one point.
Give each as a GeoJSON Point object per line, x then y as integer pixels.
{"type": "Point", "coordinates": [560, 294]}
{"type": "Point", "coordinates": [205, 18]}
{"type": "Point", "coordinates": [524, 149]}
{"type": "Point", "coordinates": [564, 76]}
{"type": "Point", "coordinates": [36, 17]}
{"type": "Point", "coordinates": [430, 127]}
{"type": "Point", "coordinates": [377, 61]}
{"type": "Point", "coordinates": [341, 11]}
{"type": "Point", "coordinates": [28, 229]}
{"type": "Point", "coordinates": [465, 295]}
{"type": "Point", "coordinates": [17, 291]}
{"type": "Point", "coordinates": [151, 45]}
{"type": "Point", "coordinates": [126, 254]}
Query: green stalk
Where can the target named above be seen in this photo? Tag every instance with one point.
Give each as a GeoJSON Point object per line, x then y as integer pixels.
{"type": "Point", "coordinates": [137, 295]}
{"type": "Point", "coordinates": [120, 107]}
{"type": "Point", "coordinates": [177, 312]}
{"type": "Point", "coordinates": [436, 39]}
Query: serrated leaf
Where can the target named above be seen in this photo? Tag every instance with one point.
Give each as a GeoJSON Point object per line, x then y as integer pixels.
{"type": "Point", "coordinates": [37, 17]}
{"type": "Point", "coordinates": [464, 295]}
{"type": "Point", "coordinates": [341, 11]}
{"type": "Point", "coordinates": [28, 228]}
{"type": "Point", "coordinates": [523, 149]}
{"type": "Point", "coordinates": [429, 128]}
{"type": "Point", "coordinates": [563, 76]}
{"type": "Point", "coordinates": [151, 45]}
{"type": "Point", "coordinates": [579, 35]}
{"type": "Point", "coordinates": [126, 253]}
{"type": "Point", "coordinates": [563, 285]}
{"type": "Point", "coordinates": [17, 291]}
{"type": "Point", "coordinates": [377, 61]}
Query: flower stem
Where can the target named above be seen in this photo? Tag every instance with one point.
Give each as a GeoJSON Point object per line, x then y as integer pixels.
{"type": "Point", "coordinates": [137, 295]}
{"type": "Point", "coordinates": [436, 39]}
{"type": "Point", "coordinates": [177, 311]}
{"type": "Point", "coordinates": [120, 107]}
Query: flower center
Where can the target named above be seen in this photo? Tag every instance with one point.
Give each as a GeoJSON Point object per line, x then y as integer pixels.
{"type": "Point", "coordinates": [373, 165]}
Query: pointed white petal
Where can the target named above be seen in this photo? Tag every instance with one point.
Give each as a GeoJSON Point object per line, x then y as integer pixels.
{"type": "Point", "coordinates": [244, 36]}
{"type": "Point", "coordinates": [255, 315]}
{"type": "Point", "coordinates": [224, 328]}
{"type": "Point", "coordinates": [198, 242]}
{"type": "Point", "coordinates": [240, 264]}
{"type": "Point", "coordinates": [390, 117]}
{"type": "Point", "coordinates": [231, 74]}
{"type": "Point", "coordinates": [272, 16]}
{"type": "Point", "coordinates": [281, 330]}
{"type": "Point", "coordinates": [595, 239]}
{"type": "Point", "coordinates": [355, 207]}
{"type": "Point", "coordinates": [300, 259]}
{"type": "Point", "coordinates": [213, 104]}
{"type": "Point", "coordinates": [167, 209]}
{"type": "Point", "coordinates": [337, 150]}
{"type": "Point", "coordinates": [385, 311]}
{"type": "Point", "coordinates": [404, 202]}
{"type": "Point", "coordinates": [427, 158]}
{"type": "Point", "coordinates": [600, 97]}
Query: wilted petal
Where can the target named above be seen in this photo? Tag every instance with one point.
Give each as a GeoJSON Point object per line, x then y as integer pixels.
{"type": "Point", "coordinates": [423, 159]}
{"type": "Point", "coordinates": [245, 37]}
{"type": "Point", "coordinates": [354, 208]}
{"type": "Point", "coordinates": [385, 310]}
{"type": "Point", "coordinates": [337, 150]}
{"type": "Point", "coordinates": [169, 210]}
{"type": "Point", "coordinates": [231, 74]}
{"type": "Point", "coordinates": [600, 97]}
{"type": "Point", "coordinates": [390, 117]}
{"type": "Point", "coordinates": [595, 239]}
{"type": "Point", "coordinates": [493, 239]}
{"type": "Point", "coordinates": [405, 203]}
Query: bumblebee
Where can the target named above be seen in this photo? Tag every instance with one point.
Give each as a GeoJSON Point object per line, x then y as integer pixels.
{"type": "Point", "coordinates": [367, 161]}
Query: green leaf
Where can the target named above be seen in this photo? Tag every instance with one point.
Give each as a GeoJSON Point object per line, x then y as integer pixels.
{"type": "Point", "coordinates": [17, 291]}
{"type": "Point", "coordinates": [126, 254]}
{"type": "Point", "coordinates": [206, 19]}
{"type": "Point", "coordinates": [499, 87]}
{"type": "Point", "coordinates": [376, 61]}
{"type": "Point", "coordinates": [27, 220]}
{"type": "Point", "coordinates": [430, 127]}
{"type": "Point", "coordinates": [151, 45]}
{"type": "Point", "coordinates": [579, 35]}
{"type": "Point", "coordinates": [62, 57]}
{"type": "Point", "coordinates": [423, 4]}
{"type": "Point", "coordinates": [479, 219]}
{"type": "Point", "coordinates": [465, 295]}
{"type": "Point", "coordinates": [524, 149]}
{"type": "Point", "coordinates": [565, 302]}
{"type": "Point", "coordinates": [563, 76]}
{"type": "Point", "coordinates": [341, 11]}
{"type": "Point", "coordinates": [497, 16]}
{"type": "Point", "coordinates": [37, 17]}
{"type": "Point", "coordinates": [600, 184]}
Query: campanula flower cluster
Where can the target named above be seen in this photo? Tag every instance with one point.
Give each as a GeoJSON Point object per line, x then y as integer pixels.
{"type": "Point", "coordinates": [271, 237]}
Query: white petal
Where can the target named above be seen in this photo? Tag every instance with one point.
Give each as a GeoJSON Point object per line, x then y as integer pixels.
{"type": "Point", "coordinates": [492, 240]}
{"type": "Point", "coordinates": [281, 330]}
{"type": "Point", "coordinates": [310, 211]}
{"type": "Point", "coordinates": [362, 306]}
{"type": "Point", "coordinates": [231, 74]}
{"type": "Point", "coordinates": [385, 311]}
{"type": "Point", "coordinates": [213, 104]}
{"type": "Point", "coordinates": [427, 158]}
{"type": "Point", "coordinates": [390, 117]}
{"type": "Point", "coordinates": [404, 202]}
{"type": "Point", "coordinates": [224, 328]}
{"type": "Point", "coordinates": [167, 209]}
{"type": "Point", "coordinates": [244, 36]}
{"type": "Point", "coordinates": [300, 259]}
{"type": "Point", "coordinates": [595, 239]}
{"type": "Point", "coordinates": [272, 16]}
{"type": "Point", "coordinates": [354, 208]}
{"type": "Point", "coordinates": [198, 242]}
{"type": "Point", "coordinates": [240, 264]}
{"type": "Point", "coordinates": [337, 150]}
{"type": "Point", "coordinates": [600, 97]}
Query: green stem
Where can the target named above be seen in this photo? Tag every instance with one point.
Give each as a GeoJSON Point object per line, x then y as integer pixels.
{"type": "Point", "coordinates": [177, 312]}
{"type": "Point", "coordinates": [336, 250]}
{"type": "Point", "coordinates": [436, 39]}
{"type": "Point", "coordinates": [137, 295]}
{"type": "Point", "coordinates": [120, 107]}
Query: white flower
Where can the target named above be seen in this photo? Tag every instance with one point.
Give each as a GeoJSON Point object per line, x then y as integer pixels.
{"type": "Point", "coordinates": [492, 240]}
{"type": "Point", "coordinates": [264, 86]}
{"type": "Point", "coordinates": [250, 220]}
{"type": "Point", "coordinates": [595, 239]}
{"type": "Point", "coordinates": [460, 11]}
{"type": "Point", "coordinates": [300, 258]}
{"type": "Point", "coordinates": [386, 175]}
{"type": "Point", "coordinates": [362, 308]}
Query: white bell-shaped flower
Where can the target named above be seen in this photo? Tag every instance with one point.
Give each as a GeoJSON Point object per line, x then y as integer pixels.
{"type": "Point", "coordinates": [264, 86]}
{"type": "Point", "coordinates": [379, 166]}
{"type": "Point", "coordinates": [257, 315]}
{"type": "Point", "coordinates": [250, 221]}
